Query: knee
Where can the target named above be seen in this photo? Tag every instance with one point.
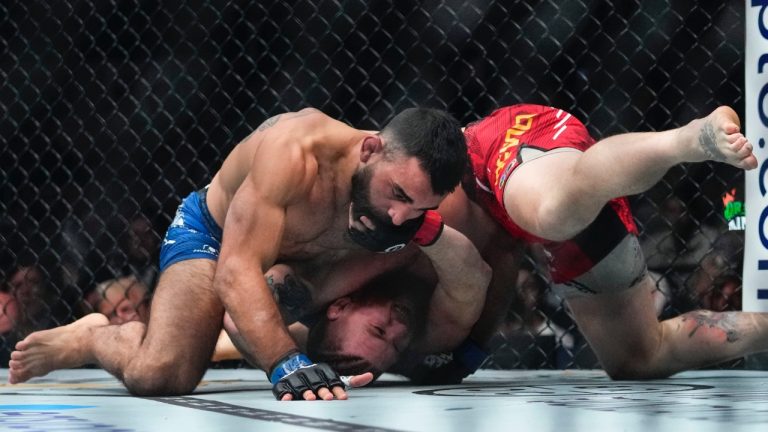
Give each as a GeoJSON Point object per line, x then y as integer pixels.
{"type": "Point", "coordinates": [627, 371]}
{"type": "Point", "coordinates": [560, 218]}
{"type": "Point", "coordinates": [637, 368]}
{"type": "Point", "coordinates": [145, 378]}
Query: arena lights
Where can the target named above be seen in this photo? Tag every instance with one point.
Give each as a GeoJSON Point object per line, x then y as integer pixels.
{"type": "Point", "coordinates": [755, 280]}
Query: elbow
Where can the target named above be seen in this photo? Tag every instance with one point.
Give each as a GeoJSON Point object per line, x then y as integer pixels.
{"type": "Point", "coordinates": [225, 277]}
{"type": "Point", "coordinates": [485, 274]}
{"type": "Point", "coordinates": [483, 282]}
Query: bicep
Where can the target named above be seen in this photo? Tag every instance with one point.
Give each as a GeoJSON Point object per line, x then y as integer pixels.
{"type": "Point", "coordinates": [253, 228]}
{"type": "Point", "coordinates": [255, 220]}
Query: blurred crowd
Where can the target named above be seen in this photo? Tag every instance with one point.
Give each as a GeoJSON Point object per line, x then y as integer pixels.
{"type": "Point", "coordinates": [695, 266]}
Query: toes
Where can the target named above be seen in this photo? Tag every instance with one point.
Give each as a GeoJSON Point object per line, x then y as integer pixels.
{"type": "Point", "coordinates": [738, 143]}
{"type": "Point", "coordinates": [14, 365]}
{"type": "Point", "coordinates": [21, 345]}
{"type": "Point", "coordinates": [749, 163]}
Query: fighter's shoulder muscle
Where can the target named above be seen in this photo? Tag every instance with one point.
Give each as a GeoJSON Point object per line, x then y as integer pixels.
{"type": "Point", "coordinates": [284, 150]}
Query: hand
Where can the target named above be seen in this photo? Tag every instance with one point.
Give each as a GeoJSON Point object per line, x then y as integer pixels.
{"type": "Point", "coordinates": [339, 393]}
{"type": "Point", "coordinates": [449, 368]}
{"type": "Point", "coordinates": [383, 237]}
{"type": "Point", "coordinates": [296, 377]}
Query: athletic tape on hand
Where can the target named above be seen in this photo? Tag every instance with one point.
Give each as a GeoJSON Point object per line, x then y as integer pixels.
{"type": "Point", "coordinates": [346, 380]}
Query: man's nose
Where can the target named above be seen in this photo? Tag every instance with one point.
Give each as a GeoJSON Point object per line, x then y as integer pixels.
{"type": "Point", "coordinates": [401, 213]}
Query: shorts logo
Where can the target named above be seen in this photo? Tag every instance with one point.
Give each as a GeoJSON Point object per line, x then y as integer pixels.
{"type": "Point", "coordinates": [178, 220]}
{"type": "Point", "coordinates": [523, 123]}
{"type": "Point", "coordinates": [503, 179]}
{"type": "Point", "coordinates": [207, 249]}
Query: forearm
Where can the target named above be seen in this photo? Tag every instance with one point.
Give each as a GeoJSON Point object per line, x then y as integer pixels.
{"type": "Point", "coordinates": [505, 265]}
{"type": "Point", "coordinates": [462, 273]}
{"type": "Point", "coordinates": [460, 294]}
{"type": "Point", "coordinates": [262, 337]}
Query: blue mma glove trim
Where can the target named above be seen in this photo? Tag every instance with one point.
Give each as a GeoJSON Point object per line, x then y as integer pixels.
{"type": "Point", "coordinates": [470, 354]}
{"type": "Point", "coordinates": [288, 365]}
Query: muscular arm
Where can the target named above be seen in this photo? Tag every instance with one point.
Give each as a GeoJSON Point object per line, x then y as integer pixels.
{"type": "Point", "coordinates": [293, 298]}
{"type": "Point", "coordinates": [253, 231]}
{"type": "Point", "coordinates": [460, 293]}
{"type": "Point", "coordinates": [505, 263]}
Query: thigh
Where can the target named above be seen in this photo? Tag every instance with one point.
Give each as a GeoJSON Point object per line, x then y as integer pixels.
{"type": "Point", "coordinates": [185, 318]}
{"type": "Point", "coordinates": [621, 327]}
{"type": "Point", "coordinates": [543, 198]}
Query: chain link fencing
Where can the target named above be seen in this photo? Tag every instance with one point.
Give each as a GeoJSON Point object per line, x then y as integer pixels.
{"type": "Point", "coordinates": [112, 111]}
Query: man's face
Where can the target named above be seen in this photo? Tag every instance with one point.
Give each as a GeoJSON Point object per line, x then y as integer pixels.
{"type": "Point", "coordinates": [124, 302]}
{"type": "Point", "coordinates": [141, 240]}
{"type": "Point", "coordinates": [377, 330]}
{"type": "Point", "coordinates": [392, 191]}
{"type": "Point", "coordinates": [26, 284]}
{"type": "Point", "coordinates": [9, 312]}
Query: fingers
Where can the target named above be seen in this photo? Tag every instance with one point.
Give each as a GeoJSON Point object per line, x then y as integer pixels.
{"type": "Point", "coordinates": [358, 226]}
{"type": "Point", "coordinates": [322, 393]}
{"type": "Point", "coordinates": [360, 380]}
{"type": "Point", "coordinates": [317, 381]}
{"type": "Point", "coordinates": [362, 224]}
{"type": "Point", "coordinates": [309, 395]}
{"type": "Point", "coordinates": [367, 222]}
{"type": "Point", "coordinates": [339, 393]}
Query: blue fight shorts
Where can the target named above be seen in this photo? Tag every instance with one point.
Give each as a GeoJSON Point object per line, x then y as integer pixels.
{"type": "Point", "coordinates": [192, 234]}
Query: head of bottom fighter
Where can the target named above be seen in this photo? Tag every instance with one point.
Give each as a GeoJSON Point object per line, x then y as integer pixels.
{"type": "Point", "coordinates": [368, 330]}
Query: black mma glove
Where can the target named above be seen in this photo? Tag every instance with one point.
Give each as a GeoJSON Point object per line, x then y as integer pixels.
{"type": "Point", "coordinates": [295, 373]}
{"type": "Point", "coordinates": [424, 231]}
{"type": "Point", "coordinates": [441, 369]}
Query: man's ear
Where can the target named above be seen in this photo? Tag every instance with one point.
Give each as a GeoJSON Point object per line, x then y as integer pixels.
{"type": "Point", "coordinates": [372, 144]}
{"type": "Point", "coordinates": [336, 308]}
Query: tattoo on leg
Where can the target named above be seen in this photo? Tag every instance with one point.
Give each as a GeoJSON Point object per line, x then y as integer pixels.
{"type": "Point", "coordinates": [724, 322]}
{"type": "Point", "coordinates": [708, 143]}
{"type": "Point", "coordinates": [292, 297]}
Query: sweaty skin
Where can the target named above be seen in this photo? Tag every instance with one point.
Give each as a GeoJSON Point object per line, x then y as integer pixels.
{"type": "Point", "coordinates": [284, 195]}
{"type": "Point", "coordinates": [557, 196]}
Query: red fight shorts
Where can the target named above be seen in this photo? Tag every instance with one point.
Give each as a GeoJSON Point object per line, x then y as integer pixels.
{"type": "Point", "coordinates": [606, 256]}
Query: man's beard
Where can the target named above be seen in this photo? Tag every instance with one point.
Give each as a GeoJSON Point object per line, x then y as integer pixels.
{"type": "Point", "coordinates": [361, 199]}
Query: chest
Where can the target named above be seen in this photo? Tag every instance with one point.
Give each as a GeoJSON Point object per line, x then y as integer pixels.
{"type": "Point", "coordinates": [317, 226]}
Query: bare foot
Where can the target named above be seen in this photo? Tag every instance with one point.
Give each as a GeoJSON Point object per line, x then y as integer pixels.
{"type": "Point", "coordinates": [58, 348]}
{"type": "Point", "coordinates": [717, 138]}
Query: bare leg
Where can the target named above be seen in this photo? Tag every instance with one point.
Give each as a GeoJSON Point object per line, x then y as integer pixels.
{"type": "Point", "coordinates": [631, 343]}
{"type": "Point", "coordinates": [170, 357]}
{"type": "Point", "coordinates": [558, 195]}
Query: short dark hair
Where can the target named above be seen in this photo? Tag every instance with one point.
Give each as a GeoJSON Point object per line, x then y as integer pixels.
{"type": "Point", "coordinates": [434, 137]}
{"type": "Point", "coordinates": [324, 347]}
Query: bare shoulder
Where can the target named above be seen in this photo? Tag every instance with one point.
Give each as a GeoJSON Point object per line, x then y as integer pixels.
{"type": "Point", "coordinates": [295, 122]}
